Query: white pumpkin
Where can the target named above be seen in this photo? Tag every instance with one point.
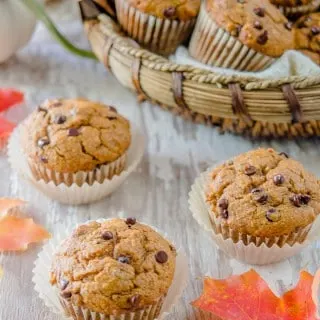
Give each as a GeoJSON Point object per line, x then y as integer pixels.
{"type": "Point", "coordinates": [17, 24]}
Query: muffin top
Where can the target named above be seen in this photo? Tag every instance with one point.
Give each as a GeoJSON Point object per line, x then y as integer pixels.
{"type": "Point", "coordinates": [307, 32]}
{"type": "Point", "coordinates": [168, 9]}
{"type": "Point", "coordinates": [114, 266]}
{"type": "Point", "coordinates": [75, 135]}
{"type": "Point", "coordinates": [262, 193]}
{"type": "Point", "coordinates": [256, 23]}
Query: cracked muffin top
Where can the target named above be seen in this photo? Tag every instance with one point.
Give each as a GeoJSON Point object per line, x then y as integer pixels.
{"type": "Point", "coordinates": [75, 135]}
{"type": "Point", "coordinates": [257, 24]}
{"type": "Point", "coordinates": [114, 266]}
{"type": "Point", "coordinates": [168, 9]}
{"type": "Point", "coordinates": [307, 33]}
{"type": "Point", "coordinates": [263, 193]}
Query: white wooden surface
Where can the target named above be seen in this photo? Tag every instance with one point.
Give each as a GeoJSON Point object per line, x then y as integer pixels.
{"type": "Point", "coordinates": [156, 193]}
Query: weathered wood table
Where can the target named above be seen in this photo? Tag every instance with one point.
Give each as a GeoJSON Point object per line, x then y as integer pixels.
{"type": "Point", "coordinates": [157, 193]}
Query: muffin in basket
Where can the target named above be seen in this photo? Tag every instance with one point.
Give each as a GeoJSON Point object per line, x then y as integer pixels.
{"type": "Point", "coordinates": [296, 8]}
{"type": "Point", "coordinates": [263, 197]}
{"type": "Point", "coordinates": [307, 35]}
{"type": "Point", "coordinates": [75, 141]}
{"type": "Point", "coordinates": [161, 25]}
{"type": "Point", "coordinates": [240, 34]}
{"type": "Point", "coordinates": [117, 269]}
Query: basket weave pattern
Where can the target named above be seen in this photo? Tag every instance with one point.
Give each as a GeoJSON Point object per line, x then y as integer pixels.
{"type": "Point", "coordinates": [286, 107]}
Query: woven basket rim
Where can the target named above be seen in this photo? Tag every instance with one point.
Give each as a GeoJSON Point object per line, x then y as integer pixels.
{"type": "Point", "coordinates": [157, 62]}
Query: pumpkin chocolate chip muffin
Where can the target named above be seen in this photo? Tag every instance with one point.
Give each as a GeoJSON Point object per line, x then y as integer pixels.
{"type": "Point", "coordinates": [158, 25]}
{"type": "Point", "coordinates": [307, 35]}
{"type": "Point", "coordinates": [76, 141]}
{"type": "Point", "coordinates": [263, 196]}
{"type": "Point", "coordinates": [240, 34]}
{"type": "Point", "coordinates": [296, 8]}
{"type": "Point", "coordinates": [115, 268]}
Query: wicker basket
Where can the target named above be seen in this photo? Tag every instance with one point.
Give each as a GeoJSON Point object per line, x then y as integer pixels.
{"type": "Point", "coordinates": [287, 107]}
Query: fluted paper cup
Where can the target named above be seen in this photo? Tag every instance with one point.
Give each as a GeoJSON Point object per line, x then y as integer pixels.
{"type": "Point", "coordinates": [65, 310]}
{"type": "Point", "coordinates": [251, 250]}
{"type": "Point", "coordinates": [95, 188]}
{"type": "Point", "coordinates": [162, 36]}
{"type": "Point", "coordinates": [214, 46]}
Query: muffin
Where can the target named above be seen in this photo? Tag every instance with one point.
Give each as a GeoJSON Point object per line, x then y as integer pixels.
{"type": "Point", "coordinates": [296, 8]}
{"type": "Point", "coordinates": [307, 35]}
{"type": "Point", "coordinates": [158, 25]}
{"type": "Point", "coordinates": [107, 6]}
{"type": "Point", "coordinates": [76, 141]}
{"type": "Point", "coordinates": [240, 34]}
{"type": "Point", "coordinates": [116, 269]}
{"type": "Point", "coordinates": [263, 197]}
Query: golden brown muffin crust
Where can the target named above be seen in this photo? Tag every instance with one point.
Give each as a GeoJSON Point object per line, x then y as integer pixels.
{"type": "Point", "coordinates": [265, 194]}
{"type": "Point", "coordinates": [168, 9]}
{"type": "Point", "coordinates": [307, 33]}
{"type": "Point", "coordinates": [256, 23]}
{"type": "Point", "coordinates": [114, 266]}
{"type": "Point", "coordinates": [75, 135]}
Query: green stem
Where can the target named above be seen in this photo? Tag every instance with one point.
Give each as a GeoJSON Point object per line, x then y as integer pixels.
{"type": "Point", "coordinates": [41, 15]}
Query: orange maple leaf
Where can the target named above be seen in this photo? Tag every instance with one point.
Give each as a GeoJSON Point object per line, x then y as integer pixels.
{"type": "Point", "coordinates": [248, 297]}
{"type": "Point", "coordinates": [9, 98]}
{"type": "Point", "coordinates": [17, 233]}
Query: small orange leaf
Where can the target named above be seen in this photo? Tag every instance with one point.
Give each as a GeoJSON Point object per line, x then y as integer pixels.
{"type": "Point", "coordinates": [248, 297]}
{"type": "Point", "coordinates": [9, 98]}
{"type": "Point", "coordinates": [6, 204]}
{"type": "Point", "coordinates": [17, 233]}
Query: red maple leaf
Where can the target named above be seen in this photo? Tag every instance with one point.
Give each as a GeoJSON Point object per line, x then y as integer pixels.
{"type": "Point", "coordinates": [248, 297]}
{"type": "Point", "coordinates": [9, 98]}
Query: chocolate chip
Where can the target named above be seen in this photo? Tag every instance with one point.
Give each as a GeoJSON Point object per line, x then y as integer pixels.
{"type": "Point", "coordinates": [73, 132]}
{"type": "Point", "coordinates": [60, 119]}
{"type": "Point", "coordinates": [107, 235]}
{"type": "Point", "coordinates": [260, 12]}
{"type": "Point", "coordinates": [262, 198]}
{"type": "Point", "coordinates": [288, 25]}
{"type": "Point", "coordinates": [278, 179]}
{"type": "Point", "coordinates": [315, 30]}
{"type": "Point", "coordinates": [124, 259]}
{"type": "Point", "coordinates": [63, 284]}
{"type": "Point", "coordinates": [43, 159]}
{"type": "Point", "coordinates": [131, 221]}
{"type": "Point", "coordinates": [305, 198]}
{"type": "Point", "coordinates": [43, 142]}
{"type": "Point", "coordinates": [303, 23]}
{"type": "Point", "coordinates": [134, 300]}
{"type": "Point", "coordinates": [223, 204]}
{"type": "Point", "coordinates": [250, 170]}
{"type": "Point", "coordinates": [66, 294]}
{"type": "Point", "coordinates": [273, 215]}
{"type": "Point", "coordinates": [161, 257]}
{"type": "Point", "coordinates": [263, 38]}
{"type": "Point", "coordinates": [113, 109]}
{"type": "Point", "coordinates": [170, 12]}
{"type": "Point", "coordinates": [111, 117]}
{"type": "Point", "coordinates": [300, 199]}
{"type": "Point", "coordinates": [283, 154]}
{"type": "Point", "coordinates": [256, 190]}
{"type": "Point", "coordinates": [225, 214]}
{"type": "Point", "coordinates": [258, 25]}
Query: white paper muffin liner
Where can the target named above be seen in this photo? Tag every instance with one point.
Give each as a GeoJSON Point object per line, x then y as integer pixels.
{"type": "Point", "coordinates": [300, 10]}
{"type": "Point", "coordinates": [49, 294]}
{"type": "Point", "coordinates": [214, 46]}
{"type": "Point", "coordinates": [162, 36]}
{"type": "Point", "coordinates": [244, 249]}
{"type": "Point", "coordinates": [75, 194]}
